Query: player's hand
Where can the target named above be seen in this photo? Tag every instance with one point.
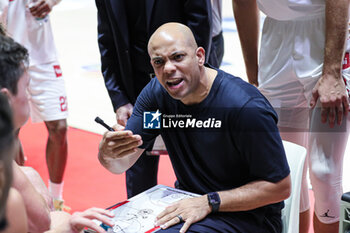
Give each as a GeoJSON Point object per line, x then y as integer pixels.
{"type": "Point", "coordinates": [333, 98]}
{"type": "Point", "coordinates": [191, 210]}
{"type": "Point", "coordinates": [123, 113]}
{"type": "Point", "coordinates": [119, 143]}
{"type": "Point", "coordinates": [79, 220]}
{"type": "Point", "coordinates": [41, 8]}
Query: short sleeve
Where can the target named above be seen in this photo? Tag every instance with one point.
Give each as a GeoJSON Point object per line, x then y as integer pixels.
{"type": "Point", "coordinates": [146, 102]}
{"type": "Point", "coordinates": [259, 141]}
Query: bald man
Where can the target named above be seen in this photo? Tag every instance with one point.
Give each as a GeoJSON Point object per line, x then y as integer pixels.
{"type": "Point", "coordinates": [209, 121]}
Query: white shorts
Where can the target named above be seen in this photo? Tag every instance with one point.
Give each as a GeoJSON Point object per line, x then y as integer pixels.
{"type": "Point", "coordinates": [291, 62]}
{"type": "Point", "coordinates": [287, 71]}
{"type": "Point", "coordinates": [47, 94]}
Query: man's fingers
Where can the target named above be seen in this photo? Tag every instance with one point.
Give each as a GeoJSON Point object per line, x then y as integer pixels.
{"type": "Point", "coordinates": [102, 211]}
{"type": "Point", "coordinates": [118, 127]}
{"type": "Point", "coordinates": [40, 10]}
{"type": "Point", "coordinates": [173, 221]}
{"type": "Point", "coordinates": [123, 141]}
{"type": "Point", "coordinates": [346, 105]}
{"type": "Point", "coordinates": [165, 212]}
{"type": "Point", "coordinates": [128, 152]}
{"type": "Point", "coordinates": [130, 146]}
{"type": "Point", "coordinates": [326, 102]}
{"type": "Point", "coordinates": [324, 114]}
{"type": "Point", "coordinates": [186, 225]}
{"type": "Point", "coordinates": [331, 117]}
{"type": "Point", "coordinates": [314, 98]}
{"type": "Point", "coordinates": [117, 144]}
{"type": "Point", "coordinates": [94, 227]}
{"type": "Point", "coordinates": [109, 136]}
{"type": "Point", "coordinates": [34, 10]}
{"type": "Point", "coordinates": [123, 113]}
{"type": "Point", "coordinates": [44, 11]}
{"type": "Point", "coordinates": [339, 113]}
{"type": "Point", "coordinates": [78, 224]}
{"type": "Point", "coordinates": [163, 220]}
{"type": "Point", "coordinates": [99, 216]}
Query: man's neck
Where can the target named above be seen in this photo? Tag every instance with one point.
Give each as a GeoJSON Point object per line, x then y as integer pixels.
{"type": "Point", "coordinates": [208, 76]}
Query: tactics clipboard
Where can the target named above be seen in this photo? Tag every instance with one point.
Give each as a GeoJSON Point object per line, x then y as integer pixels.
{"type": "Point", "coordinates": [137, 214]}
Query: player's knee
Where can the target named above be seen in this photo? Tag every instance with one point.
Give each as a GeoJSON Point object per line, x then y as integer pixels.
{"type": "Point", "coordinates": [327, 180]}
{"type": "Point", "coordinates": [321, 172]}
{"type": "Point", "coordinates": [57, 129]}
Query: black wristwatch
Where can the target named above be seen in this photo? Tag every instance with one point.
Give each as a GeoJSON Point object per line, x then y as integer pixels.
{"type": "Point", "coordinates": [214, 201]}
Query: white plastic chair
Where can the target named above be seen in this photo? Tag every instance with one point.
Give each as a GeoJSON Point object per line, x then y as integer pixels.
{"type": "Point", "coordinates": [290, 213]}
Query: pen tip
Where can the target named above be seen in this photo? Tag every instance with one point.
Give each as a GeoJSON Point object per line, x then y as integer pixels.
{"type": "Point", "coordinates": [98, 120]}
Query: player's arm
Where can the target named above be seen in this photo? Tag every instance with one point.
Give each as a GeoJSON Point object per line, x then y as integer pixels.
{"type": "Point", "coordinates": [109, 58]}
{"type": "Point", "coordinates": [15, 213]}
{"type": "Point", "coordinates": [38, 183]}
{"type": "Point", "coordinates": [254, 195]}
{"type": "Point", "coordinates": [199, 20]}
{"type": "Point", "coordinates": [247, 20]}
{"type": "Point", "coordinates": [247, 197]}
{"type": "Point", "coordinates": [118, 150]}
{"type": "Point", "coordinates": [330, 88]}
{"type": "Point", "coordinates": [38, 212]}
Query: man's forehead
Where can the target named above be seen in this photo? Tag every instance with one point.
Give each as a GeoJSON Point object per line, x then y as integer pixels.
{"type": "Point", "coordinates": [165, 52]}
{"type": "Point", "coordinates": [167, 49]}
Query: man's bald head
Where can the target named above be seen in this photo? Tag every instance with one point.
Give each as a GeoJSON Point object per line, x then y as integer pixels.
{"type": "Point", "coordinates": [171, 32]}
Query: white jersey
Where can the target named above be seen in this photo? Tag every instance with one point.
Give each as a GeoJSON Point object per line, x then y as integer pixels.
{"type": "Point", "coordinates": [35, 35]}
{"type": "Point", "coordinates": [346, 67]}
{"type": "Point", "coordinates": [292, 9]}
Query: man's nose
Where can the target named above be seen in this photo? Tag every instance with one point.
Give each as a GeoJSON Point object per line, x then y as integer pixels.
{"type": "Point", "coordinates": [169, 67]}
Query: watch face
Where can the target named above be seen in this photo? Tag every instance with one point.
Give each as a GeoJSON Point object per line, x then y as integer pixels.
{"type": "Point", "coordinates": [214, 198]}
{"type": "Point", "coordinates": [214, 201]}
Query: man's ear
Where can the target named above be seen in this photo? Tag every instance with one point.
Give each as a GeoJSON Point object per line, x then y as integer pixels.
{"type": "Point", "coordinates": [200, 53]}
{"type": "Point", "coordinates": [5, 92]}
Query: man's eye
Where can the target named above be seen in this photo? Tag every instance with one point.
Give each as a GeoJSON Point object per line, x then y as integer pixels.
{"type": "Point", "coordinates": [157, 62]}
{"type": "Point", "coordinates": [178, 57]}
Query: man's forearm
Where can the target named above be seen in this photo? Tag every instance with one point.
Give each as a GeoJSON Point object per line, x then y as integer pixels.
{"type": "Point", "coordinates": [254, 195]}
{"type": "Point", "coordinates": [336, 30]}
{"type": "Point", "coordinates": [247, 20]}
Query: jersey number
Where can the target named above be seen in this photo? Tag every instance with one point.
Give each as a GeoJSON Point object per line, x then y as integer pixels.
{"type": "Point", "coordinates": [63, 103]}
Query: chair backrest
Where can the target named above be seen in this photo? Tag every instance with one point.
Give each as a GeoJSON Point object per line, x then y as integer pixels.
{"type": "Point", "coordinates": [290, 214]}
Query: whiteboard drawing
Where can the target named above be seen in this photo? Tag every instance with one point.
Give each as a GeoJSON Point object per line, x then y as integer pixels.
{"type": "Point", "coordinates": [138, 214]}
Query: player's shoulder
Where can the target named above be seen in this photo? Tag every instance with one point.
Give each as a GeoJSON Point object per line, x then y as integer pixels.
{"type": "Point", "coordinates": [238, 91]}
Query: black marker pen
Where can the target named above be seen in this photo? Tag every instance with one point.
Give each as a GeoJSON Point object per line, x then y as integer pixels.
{"type": "Point", "coordinates": [100, 121]}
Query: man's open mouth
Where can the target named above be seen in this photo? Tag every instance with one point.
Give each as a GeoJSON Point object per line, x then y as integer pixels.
{"type": "Point", "coordinates": [174, 82]}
